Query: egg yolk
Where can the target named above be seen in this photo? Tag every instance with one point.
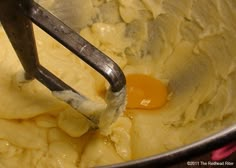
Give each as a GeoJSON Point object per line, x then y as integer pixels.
{"type": "Point", "coordinates": [145, 92]}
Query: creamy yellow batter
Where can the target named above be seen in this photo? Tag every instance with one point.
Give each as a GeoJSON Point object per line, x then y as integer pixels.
{"type": "Point", "coordinates": [188, 44]}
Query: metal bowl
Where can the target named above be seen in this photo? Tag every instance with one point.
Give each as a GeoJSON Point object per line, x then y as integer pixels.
{"type": "Point", "coordinates": [61, 9]}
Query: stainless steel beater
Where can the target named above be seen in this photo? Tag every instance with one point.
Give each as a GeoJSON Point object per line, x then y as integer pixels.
{"type": "Point", "coordinates": [16, 17]}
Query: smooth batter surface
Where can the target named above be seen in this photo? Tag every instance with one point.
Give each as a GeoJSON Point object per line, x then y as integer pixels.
{"type": "Point", "coordinates": [187, 44]}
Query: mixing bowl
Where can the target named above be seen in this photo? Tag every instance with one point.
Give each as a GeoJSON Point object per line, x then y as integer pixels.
{"type": "Point", "coordinates": [187, 44]}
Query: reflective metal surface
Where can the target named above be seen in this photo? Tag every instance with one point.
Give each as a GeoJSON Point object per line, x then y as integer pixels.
{"type": "Point", "coordinates": [185, 153]}
{"type": "Point", "coordinates": [16, 17]}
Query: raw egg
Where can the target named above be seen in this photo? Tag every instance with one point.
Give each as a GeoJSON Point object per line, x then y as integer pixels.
{"type": "Point", "coordinates": [145, 92]}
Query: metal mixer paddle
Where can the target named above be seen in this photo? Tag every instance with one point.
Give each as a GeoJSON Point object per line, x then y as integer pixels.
{"type": "Point", "coordinates": [16, 17]}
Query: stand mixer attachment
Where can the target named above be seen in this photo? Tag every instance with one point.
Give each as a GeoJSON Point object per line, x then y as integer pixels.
{"type": "Point", "coordinates": [16, 17]}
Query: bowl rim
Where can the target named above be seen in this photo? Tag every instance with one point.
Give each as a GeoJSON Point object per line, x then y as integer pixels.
{"type": "Point", "coordinates": [175, 156]}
